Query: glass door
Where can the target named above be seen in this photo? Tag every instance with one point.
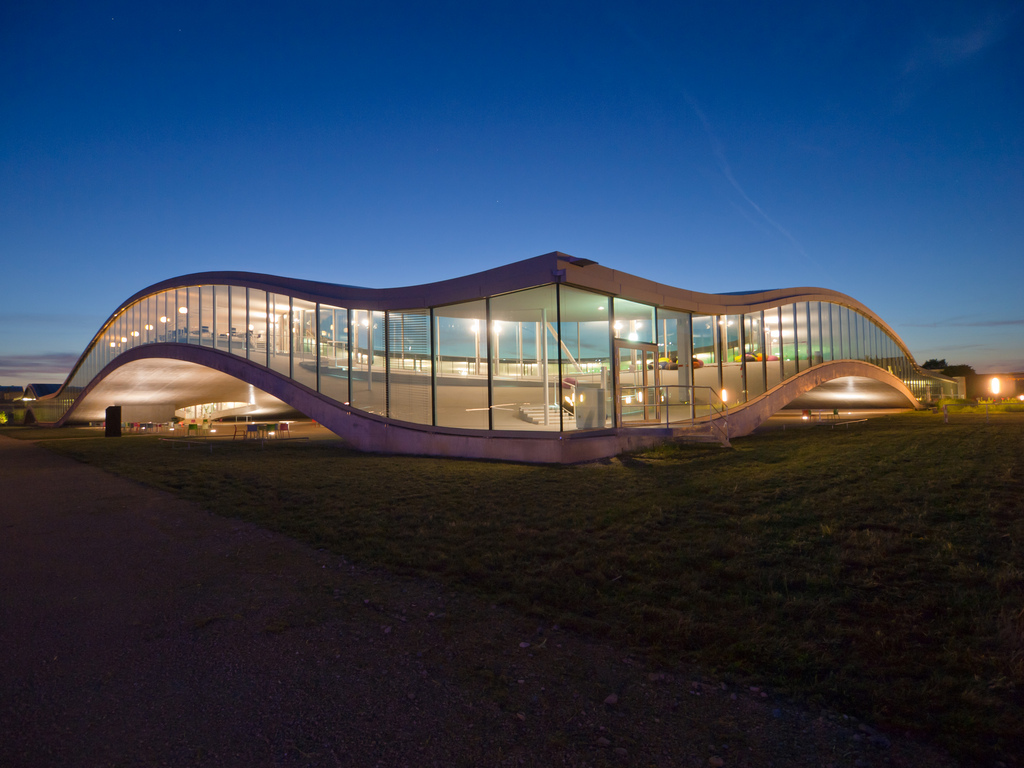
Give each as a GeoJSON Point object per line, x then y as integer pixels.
{"type": "Point", "coordinates": [636, 383]}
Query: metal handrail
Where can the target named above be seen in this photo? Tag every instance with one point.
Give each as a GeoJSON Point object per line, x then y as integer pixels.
{"type": "Point", "coordinates": [717, 409]}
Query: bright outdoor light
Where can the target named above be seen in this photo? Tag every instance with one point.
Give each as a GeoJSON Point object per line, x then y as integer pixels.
{"type": "Point", "coordinates": [163, 318]}
{"type": "Point", "coordinates": [995, 386]}
{"type": "Point", "coordinates": [725, 395]}
{"type": "Point", "coordinates": [182, 310]}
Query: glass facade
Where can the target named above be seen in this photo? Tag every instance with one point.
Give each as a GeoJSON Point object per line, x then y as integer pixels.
{"type": "Point", "coordinates": [549, 358]}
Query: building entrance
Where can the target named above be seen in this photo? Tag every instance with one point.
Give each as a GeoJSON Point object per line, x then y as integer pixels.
{"type": "Point", "coordinates": [636, 383]}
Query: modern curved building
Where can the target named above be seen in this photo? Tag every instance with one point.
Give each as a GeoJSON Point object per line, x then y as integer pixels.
{"type": "Point", "coordinates": [551, 359]}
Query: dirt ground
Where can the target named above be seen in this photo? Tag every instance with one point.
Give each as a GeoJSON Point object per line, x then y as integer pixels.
{"type": "Point", "coordinates": [140, 630]}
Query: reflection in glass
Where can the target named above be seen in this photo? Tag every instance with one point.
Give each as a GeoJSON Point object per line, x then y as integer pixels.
{"type": "Point", "coordinates": [773, 347]}
{"type": "Point", "coordinates": [787, 333]}
{"type": "Point", "coordinates": [256, 331]}
{"type": "Point", "coordinates": [675, 356]}
{"type": "Point", "coordinates": [334, 351]}
{"type": "Point", "coordinates": [633, 321]}
{"type": "Point", "coordinates": [707, 386]}
{"type": "Point", "coordinates": [732, 359]}
{"type": "Point", "coordinates": [409, 369]}
{"type": "Point", "coordinates": [461, 362]}
{"type": "Point", "coordinates": [368, 385]}
{"type": "Point", "coordinates": [526, 387]}
{"type": "Point", "coordinates": [279, 333]}
{"type": "Point", "coordinates": [304, 342]}
{"type": "Point", "coordinates": [753, 353]}
{"type": "Point", "coordinates": [587, 391]}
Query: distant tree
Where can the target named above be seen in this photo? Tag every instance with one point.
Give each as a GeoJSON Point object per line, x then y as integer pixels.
{"type": "Point", "coordinates": [958, 370]}
{"type": "Point", "coordinates": [935, 365]}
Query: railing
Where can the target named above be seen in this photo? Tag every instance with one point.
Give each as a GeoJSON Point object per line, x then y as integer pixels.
{"type": "Point", "coordinates": [675, 404]}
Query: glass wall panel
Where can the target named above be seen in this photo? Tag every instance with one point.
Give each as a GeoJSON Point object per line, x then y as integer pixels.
{"type": "Point", "coordinates": [192, 314]}
{"type": "Point", "coordinates": [587, 386]}
{"type": "Point", "coordinates": [526, 387]}
{"type": "Point", "coordinates": [858, 324]}
{"type": "Point", "coordinates": [826, 332]}
{"type": "Point", "coordinates": [787, 333]}
{"type": "Point", "coordinates": [854, 335]}
{"type": "Point", "coordinates": [706, 384]}
{"type": "Point", "coordinates": [368, 382]}
{"type": "Point", "coordinates": [753, 345]}
{"type": "Point", "coordinates": [160, 317]}
{"type": "Point", "coordinates": [334, 349]}
{"type": "Point", "coordinates": [814, 311]}
{"type": "Point", "coordinates": [236, 326]}
{"type": "Point", "coordinates": [409, 369]}
{"type": "Point", "coordinates": [149, 320]}
{"type": "Point", "coordinates": [279, 332]}
{"type": "Point", "coordinates": [207, 332]}
{"type": "Point", "coordinates": [221, 318]}
{"type": "Point", "coordinates": [138, 323]}
{"type": "Point", "coordinates": [634, 321]}
{"type": "Point", "coordinates": [803, 336]}
{"type": "Point", "coordinates": [675, 356]}
{"type": "Point", "coordinates": [844, 313]}
{"type": "Point", "coordinates": [304, 342]}
{"type": "Point", "coordinates": [257, 332]}
{"type": "Point", "coordinates": [731, 356]}
{"type": "Point", "coordinates": [129, 327]}
{"type": "Point", "coordinates": [773, 347]}
{"type": "Point", "coordinates": [461, 363]}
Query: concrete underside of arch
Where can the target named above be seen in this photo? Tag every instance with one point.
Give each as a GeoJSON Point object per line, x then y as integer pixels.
{"type": "Point", "coordinates": [841, 384]}
{"type": "Point", "coordinates": [179, 375]}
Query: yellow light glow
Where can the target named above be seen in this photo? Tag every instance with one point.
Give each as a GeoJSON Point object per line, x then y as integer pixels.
{"type": "Point", "coordinates": [163, 319]}
{"type": "Point", "coordinates": [995, 386]}
{"type": "Point", "coordinates": [725, 395]}
{"type": "Point", "coordinates": [124, 339]}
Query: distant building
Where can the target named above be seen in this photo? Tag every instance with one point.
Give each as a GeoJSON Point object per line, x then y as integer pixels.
{"type": "Point", "coordinates": [37, 391]}
{"type": "Point", "coordinates": [995, 385]}
{"type": "Point", "coordinates": [10, 394]}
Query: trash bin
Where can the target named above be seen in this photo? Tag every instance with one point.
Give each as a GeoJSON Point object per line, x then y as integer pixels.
{"type": "Point", "coordinates": [113, 426]}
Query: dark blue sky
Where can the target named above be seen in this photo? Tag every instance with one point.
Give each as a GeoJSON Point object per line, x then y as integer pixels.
{"type": "Point", "coordinates": [876, 149]}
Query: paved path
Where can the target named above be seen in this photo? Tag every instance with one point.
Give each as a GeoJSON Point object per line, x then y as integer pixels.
{"type": "Point", "coordinates": [140, 630]}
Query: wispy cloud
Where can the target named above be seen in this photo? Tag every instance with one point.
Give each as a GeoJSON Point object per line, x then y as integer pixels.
{"type": "Point", "coordinates": [950, 50]}
{"type": "Point", "coordinates": [962, 323]}
{"type": "Point", "coordinates": [718, 150]}
{"type": "Point", "coordinates": [47, 368]}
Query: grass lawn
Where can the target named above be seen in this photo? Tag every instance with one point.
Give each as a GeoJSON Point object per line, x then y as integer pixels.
{"type": "Point", "coordinates": [877, 570]}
